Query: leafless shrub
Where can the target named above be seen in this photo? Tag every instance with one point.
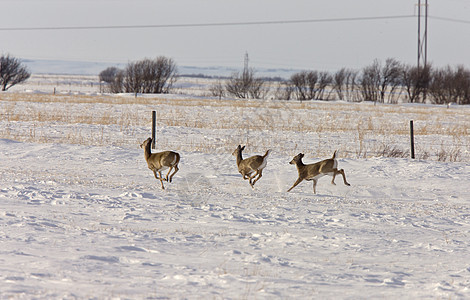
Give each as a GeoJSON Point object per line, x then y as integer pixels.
{"type": "Point", "coordinates": [446, 154]}
{"type": "Point", "coordinates": [455, 155]}
{"type": "Point", "coordinates": [377, 80]}
{"type": "Point", "coordinates": [310, 85]}
{"type": "Point", "coordinates": [351, 85]}
{"type": "Point", "coordinates": [109, 74]}
{"type": "Point", "coordinates": [339, 83]}
{"type": "Point", "coordinates": [325, 79]}
{"type": "Point", "coordinates": [283, 90]}
{"type": "Point", "coordinates": [217, 89]}
{"type": "Point", "coordinates": [370, 80]}
{"type": "Point", "coordinates": [304, 84]}
{"type": "Point", "coordinates": [450, 85]}
{"type": "Point", "coordinates": [415, 81]}
{"type": "Point", "coordinates": [440, 87]}
{"type": "Point", "coordinates": [394, 152]}
{"type": "Point", "coordinates": [390, 79]}
{"type": "Point", "coordinates": [441, 155]}
{"type": "Point", "coordinates": [424, 155]}
{"type": "Point", "coordinates": [117, 85]}
{"type": "Point", "coordinates": [155, 76]}
{"type": "Point", "coordinates": [246, 85]}
{"type": "Point", "coordinates": [112, 79]}
{"type": "Point", "coordinates": [12, 72]}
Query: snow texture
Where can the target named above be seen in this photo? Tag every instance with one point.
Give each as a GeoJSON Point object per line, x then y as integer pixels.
{"type": "Point", "coordinates": [89, 221]}
{"type": "Point", "coordinates": [92, 222]}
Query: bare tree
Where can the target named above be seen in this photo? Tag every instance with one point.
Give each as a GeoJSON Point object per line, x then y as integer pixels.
{"type": "Point", "coordinates": [117, 85]}
{"type": "Point", "coordinates": [304, 84]}
{"type": "Point", "coordinates": [376, 80]}
{"type": "Point", "coordinates": [217, 89]}
{"type": "Point", "coordinates": [462, 79]}
{"type": "Point", "coordinates": [12, 72]}
{"type": "Point", "coordinates": [284, 90]}
{"type": "Point", "coordinates": [238, 85]}
{"type": "Point", "coordinates": [450, 85]}
{"type": "Point", "coordinates": [109, 74]}
{"type": "Point", "coordinates": [325, 79]}
{"type": "Point", "coordinates": [415, 81]}
{"type": "Point", "coordinates": [351, 88]}
{"type": "Point", "coordinates": [258, 88]}
{"type": "Point", "coordinates": [246, 85]}
{"type": "Point", "coordinates": [389, 79]}
{"type": "Point", "coordinates": [339, 83]}
{"type": "Point", "coordinates": [155, 76]}
{"type": "Point", "coordinates": [133, 78]}
{"type": "Point", "coordinates": [108, 77]}
{"type": "Point", "coordinates": [370, 79]}
{"type": "Point", "coordinates": [344, 83]}
{"type": "Point", "coordinates": [158, 75]}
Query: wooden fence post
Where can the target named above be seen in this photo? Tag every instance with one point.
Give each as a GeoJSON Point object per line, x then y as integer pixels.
{"type": "Point", "coordinates": [412, 139]}
{"type": "Point", "coordinates": [154, 128]}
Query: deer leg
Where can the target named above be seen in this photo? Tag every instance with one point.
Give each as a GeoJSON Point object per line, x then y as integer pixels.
{"type": "Point", "coordinates": [159, 178]}
{"type": "Point", "coordinates": [160, 173]}
{"type": "Point", "coordinates": [344, 177]}
{"type": "Point", "coordinates": [176, 170]}
{"type": "Point", "coordinates": [251, 179]}
{"type": "Point", "coordinates": [155, 174]}
{"type": "Point", "coordinates": [245, 177]}
{"type": "Point", "coordinates": [335, 171]}
{"type": "Point", "coordinates": [167, 174]}
{"type": "Point", "coordinates": [314, 186]}
{"type": "Point", "coordinates": [260, 174]}
{"type": "Point", "coordinates": [299, 180]}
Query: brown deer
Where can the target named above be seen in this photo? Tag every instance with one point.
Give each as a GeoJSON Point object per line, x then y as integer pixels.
{"type": "Point", "coordinates": [157, 162]}
{"type": "Point", "coordinates": [315, 171]}
{"type": "Point", "coordinates": [252, 166]}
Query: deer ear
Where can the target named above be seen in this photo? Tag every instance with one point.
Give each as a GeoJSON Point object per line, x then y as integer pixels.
{"type": "Point", "coordinates": [301, 155]}
{"type": "Point", "coordinates": [243, 148]}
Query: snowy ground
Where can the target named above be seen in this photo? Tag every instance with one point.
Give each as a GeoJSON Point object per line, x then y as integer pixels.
{"type": "Point", "coordinates": [92, 222]}
{"type": "Point", "coordinates": [82, 220]}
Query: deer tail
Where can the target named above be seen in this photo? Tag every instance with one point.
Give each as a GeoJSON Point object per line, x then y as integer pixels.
{"type": "Point", "coordinates": [267, 153]}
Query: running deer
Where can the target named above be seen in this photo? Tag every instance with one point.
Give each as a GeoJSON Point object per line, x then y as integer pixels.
{"type": "Point", "coordinates": [157, 162]}
{"type": "Point", "coordinates": [315, 171]}
{"type": "Point", "coordinates": [252, 166]}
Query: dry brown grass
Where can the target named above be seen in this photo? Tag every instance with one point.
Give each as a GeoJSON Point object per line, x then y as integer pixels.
{"type": "Point", "coordinates": [358, 129]}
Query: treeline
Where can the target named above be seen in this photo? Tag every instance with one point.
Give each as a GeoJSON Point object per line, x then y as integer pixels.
{"type": "Point", "coordinates": [383, 82]}
{"type": "Point", "coordinates": [148, 76]}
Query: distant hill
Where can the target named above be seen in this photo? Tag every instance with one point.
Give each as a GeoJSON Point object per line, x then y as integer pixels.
{"type": "Point", "coordinates": [63, 67]}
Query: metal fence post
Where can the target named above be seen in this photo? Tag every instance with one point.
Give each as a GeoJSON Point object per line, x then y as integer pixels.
{"type": "Point", "coordinates": [412, 139]}
{"type": "Point", "coordinates": [154, 128]}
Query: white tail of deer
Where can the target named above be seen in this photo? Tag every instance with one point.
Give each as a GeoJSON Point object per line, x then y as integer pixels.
{"type": "Point", "coordinates": [317, 170]}
{"type": "Point", "coordinates": [157, 162]}
{"type": "Point", "coordinates": [252, 166]}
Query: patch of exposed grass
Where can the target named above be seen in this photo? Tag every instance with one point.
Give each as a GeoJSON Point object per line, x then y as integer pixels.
{"type": "Point", "coordinates": [358, 129]}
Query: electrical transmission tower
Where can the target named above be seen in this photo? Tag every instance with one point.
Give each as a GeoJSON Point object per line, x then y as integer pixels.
{"type": "Point", "coordinates": [245, 69]}
{"type": "Point", "coordinates": [423, 47]}
{"type": "Point", "coordinates": [422, 37]}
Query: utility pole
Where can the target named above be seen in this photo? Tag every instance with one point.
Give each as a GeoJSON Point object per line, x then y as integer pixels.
{"type": "Point", "coordinates": [423, 44]}
{"type": "Point", "coordinates": [423, 37]}
{"type": "Point", "coordinates": [245, 68]}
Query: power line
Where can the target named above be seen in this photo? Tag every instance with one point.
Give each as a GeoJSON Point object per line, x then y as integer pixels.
{"type": "Point", "coordinates": [450, 19]}
{"type": "Point", "coordinates": [276, 22]}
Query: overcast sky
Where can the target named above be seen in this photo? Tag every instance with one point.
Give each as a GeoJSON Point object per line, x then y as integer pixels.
{"type": "Point", "coordinates": [312, 46]}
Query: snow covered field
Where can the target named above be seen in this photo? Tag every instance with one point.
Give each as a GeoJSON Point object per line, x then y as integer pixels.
{"type": "Point", "coordinates": [81, 216]}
